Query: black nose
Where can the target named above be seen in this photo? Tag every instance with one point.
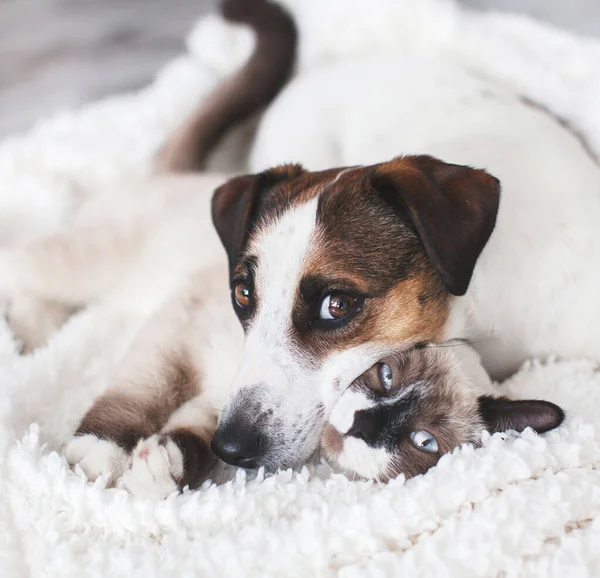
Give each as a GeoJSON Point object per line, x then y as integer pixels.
{"type": "Point", "coordinates": [367, 426]}
{"type": "Point", "coordinates": [238, 444]}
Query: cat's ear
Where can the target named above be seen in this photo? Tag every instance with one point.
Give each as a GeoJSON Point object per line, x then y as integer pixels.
{"type": "Point", "coordinates": [502, 414]}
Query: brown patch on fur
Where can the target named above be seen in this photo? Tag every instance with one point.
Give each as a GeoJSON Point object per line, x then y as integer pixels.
{"type": "Point", "coordinates": [243, 204]}
{"type": "Point", "coordinates": [237, 98]}
{"type": "Point", "coordinates": [127, 415]}
{"type": "Point", "coordinates": [364, 246]}
{"type": "Point", "coordinates": [198, 458]}
{"type": "Point", "coordinates": [121, 418]}
{"type": "Point", "coordinates": [282, 188]}
{"type": "Point", "coordinates": [286, 186]}
{"type": "Point", "coordinates": [453, 209]}
{"type": "Point", "coordinates": [414, 320]}
{"type": "Point", "coordinates": [182, 380]}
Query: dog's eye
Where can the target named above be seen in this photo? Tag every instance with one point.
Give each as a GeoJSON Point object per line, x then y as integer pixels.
{"type": "Point", "coordinates": [386, 376]}
{"type": "Point", "coordinates": [241, 293]}
{"type": "Point", "coordinates": [336, 306]}
{"type": "Point", "coordinates": [424, 441]}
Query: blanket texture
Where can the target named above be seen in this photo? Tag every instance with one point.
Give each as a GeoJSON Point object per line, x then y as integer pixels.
{"type": "Point", "coordinates": [520, 506]}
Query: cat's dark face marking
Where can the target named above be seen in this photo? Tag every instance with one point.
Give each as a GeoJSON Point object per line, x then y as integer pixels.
{"type": "Point", "coordinates": [409, 409]}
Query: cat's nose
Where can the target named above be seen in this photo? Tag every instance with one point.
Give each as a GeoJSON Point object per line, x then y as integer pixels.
{"type": "Point", "coordinates": [366, 426]}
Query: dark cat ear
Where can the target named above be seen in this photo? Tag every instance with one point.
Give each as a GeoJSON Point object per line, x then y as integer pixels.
{"type": "Point", "coordinates": [502, 414]}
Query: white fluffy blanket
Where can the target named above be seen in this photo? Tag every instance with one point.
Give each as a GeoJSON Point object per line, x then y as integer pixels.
{"type": "Point", "coordinates": [519, 506]}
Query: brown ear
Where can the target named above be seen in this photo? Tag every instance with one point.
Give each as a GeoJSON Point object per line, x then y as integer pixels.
{"type": "Point", "coordinates": [502, 414]}
{"type": "Point", "coordinates": [235, 206]}
{"type": "Point", "coordinates": [452, 207]}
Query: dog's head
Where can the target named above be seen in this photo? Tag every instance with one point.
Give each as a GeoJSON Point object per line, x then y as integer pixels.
{"type": "Point", "coordinates": [412, 407]}
{"type": "Point", "coordinates": [331, 271]}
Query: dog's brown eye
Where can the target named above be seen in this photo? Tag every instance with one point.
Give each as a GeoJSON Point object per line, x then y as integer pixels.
{"type": "Point", "coordinates": [336, 306]}
{"type": "Point", "coordinates": [241, 292]}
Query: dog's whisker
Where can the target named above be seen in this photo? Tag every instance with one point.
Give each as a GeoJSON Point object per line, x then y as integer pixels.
{"type": "Point", "coordinates": [461, 343]}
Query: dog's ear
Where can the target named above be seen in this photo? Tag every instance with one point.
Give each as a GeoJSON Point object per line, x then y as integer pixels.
{"type": "Point", "coordinates": [452, 207]}
{"type": "Point", "coordinates": [235, 206]}
{"type": "Point", "coordinates": [232, 209]}
{"type": "Point", "coordinates": [502, 414]}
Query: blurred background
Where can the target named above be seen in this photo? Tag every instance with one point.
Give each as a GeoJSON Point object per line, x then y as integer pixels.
{"type": "Point", "coordinates": [57, 54]}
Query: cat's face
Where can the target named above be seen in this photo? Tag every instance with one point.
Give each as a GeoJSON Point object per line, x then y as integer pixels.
{"type": "Point", "coordinates": [409, 409]}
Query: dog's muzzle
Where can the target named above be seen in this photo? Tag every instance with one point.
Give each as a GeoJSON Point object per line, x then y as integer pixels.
{"type": "Point", "coordinates": [243, 436]}
{"type": "Point", "coordinates": [259, 429]}
{"type": "Point", "coordinates": [239, 442]}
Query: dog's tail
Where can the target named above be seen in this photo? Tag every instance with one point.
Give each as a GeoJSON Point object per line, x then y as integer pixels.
{"type": "Point", "coordinates": [237, 98]}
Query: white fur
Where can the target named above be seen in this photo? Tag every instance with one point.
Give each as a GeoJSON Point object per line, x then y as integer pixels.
{"type": "Point", "coordinates": [97, 457]}
{"type": "Point", "coordinates": [527, 506]}
{"type": "Point", "coordinates": [357, 457]}
{"type": "Point", "coordinates": [340, 369]}
{"type": "Point", "coordinates": [154, 470]}
{"type": "Point", "coordinates": [161, 232]}
{"type": "Point", "coordinates": [281, 248]}
{"type": "Point", "coordinates": [270, 360]}
{"type": "Point", "coordinates": [342, 414]}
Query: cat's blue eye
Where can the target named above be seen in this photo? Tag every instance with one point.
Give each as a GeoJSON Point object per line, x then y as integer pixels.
{"type": "Point", "coordinates": [386, 376]}
{"type": "Point", "coordinates": [424, 441]}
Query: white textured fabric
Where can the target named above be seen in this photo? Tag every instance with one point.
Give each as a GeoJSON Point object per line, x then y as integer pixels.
{"type": "Point", "coordinates": [524, 506]}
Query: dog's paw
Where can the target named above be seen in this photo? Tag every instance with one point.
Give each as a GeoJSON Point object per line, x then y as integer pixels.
{"type": "Point", "coordinates": [97, 457]}
{"type": "Point", "coordinates": [156, 468]}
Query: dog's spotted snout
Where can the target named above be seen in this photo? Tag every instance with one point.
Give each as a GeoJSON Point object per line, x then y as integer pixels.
{"type": "Point", "coordinates": [241, 437]}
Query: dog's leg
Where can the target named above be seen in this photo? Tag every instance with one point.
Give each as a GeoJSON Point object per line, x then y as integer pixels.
{"type": "Point", "coordinates": [136, 407]}
{"type": "Point", "coordinates": [179, 456]}
{"type": "Point", "coordinates": [156, 398]}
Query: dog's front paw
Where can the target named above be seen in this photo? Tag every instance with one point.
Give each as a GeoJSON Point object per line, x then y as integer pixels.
{"type": "Point", "coordinates": [156, 468]}
{"type": "Point", "coordinates": [97, 457]}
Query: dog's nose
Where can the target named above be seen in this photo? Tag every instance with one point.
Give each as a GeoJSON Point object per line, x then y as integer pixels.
{"type": "Point", "coordinates": [366, 426]}
{"type": "Point", "coordinates": [238, 444]}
